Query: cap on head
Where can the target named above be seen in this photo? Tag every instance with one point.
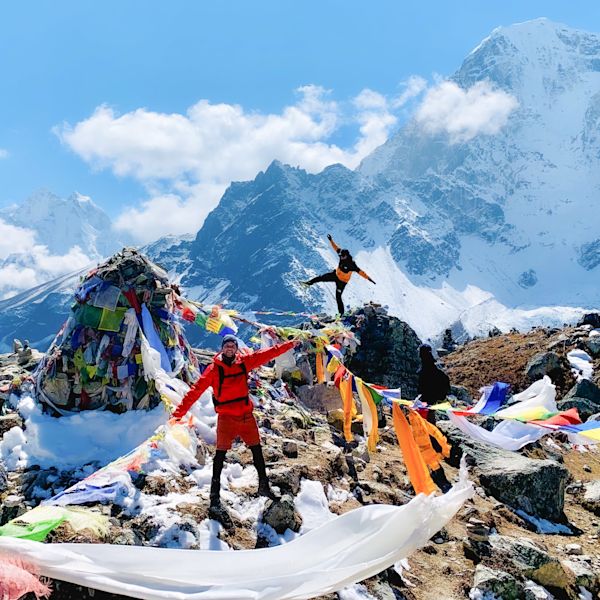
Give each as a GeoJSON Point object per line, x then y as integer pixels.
{"type": "Point", "coordinates": [229, 338]}
{"type": "Point", "coordinates": [344, 252]}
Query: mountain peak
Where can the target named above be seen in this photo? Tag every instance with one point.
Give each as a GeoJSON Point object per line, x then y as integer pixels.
{"type": "Point", "coordinates": [61, 223]}
{"type": "Point", "coordinates": [80, 199]}
{"type": "Point", "coordinates": [537, 37]}
{"type": "Point", "coordinates": [41, 197]}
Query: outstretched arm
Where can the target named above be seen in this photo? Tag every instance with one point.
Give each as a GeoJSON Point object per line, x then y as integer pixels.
{"type": "Point", "coordinates": [195, 392]}
{"type": "Point", "coordinates": [260, 357]}
{"type": "Point", "coordinates": [363, 274]}
{"type": "Point", "coordinates": [335, 247]}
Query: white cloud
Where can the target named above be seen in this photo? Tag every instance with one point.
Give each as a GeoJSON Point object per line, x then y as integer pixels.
{"type": "Point", "coordinates": [59, 264]}
{"type": "Point", "coordinates": [14, 240]}
{"type": "Point", "coordinates": [14, 278]}
{"type": "Point", "coordinates": [187, 160]}
{"type": "Point", "coordinates": [464, 114]}
{"type": "Point", "coordinates": [169, 213]}
{"type": "Point", "coordinates": [25, 264]}
{"type": "Point", "coordinates": [369, 100]}
{"type": "Point", "coordinates": [214, 143]}
{"type": "Point", "coordinates": [412, 88]}
{"type": "Point", "coordinates": [3, 153]}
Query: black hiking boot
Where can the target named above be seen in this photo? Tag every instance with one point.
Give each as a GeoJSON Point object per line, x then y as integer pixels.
{"type": "Point", "coordinates": [218, 512]}
{"type": "Point", "coordinates": [264, 489]}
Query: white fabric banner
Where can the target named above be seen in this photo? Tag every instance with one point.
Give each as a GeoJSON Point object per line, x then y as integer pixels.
{"type": "Point", "coordinates": [350, 548]}
{"type": "Point", "coordinates": [508, 435]}
{"type": "Point", "coordinates": [540, 394]}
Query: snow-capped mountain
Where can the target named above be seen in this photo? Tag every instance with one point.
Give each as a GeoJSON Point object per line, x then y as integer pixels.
{"type": "Point", "coordinates": [61, 223]}
{"type": "Point", "coordinates": [515, 213]}
{"type": "Point", "coordinates": [52, 236]}
{"type": "Point", "coordinates": [443, 226]}
{"type": "Point", "coordinates": [483, 231]}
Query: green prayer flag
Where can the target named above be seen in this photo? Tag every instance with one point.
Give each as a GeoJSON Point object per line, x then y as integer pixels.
{"type": "Point", "coordinates": [377, 397]}
{"type": "Point", "coordinates": [111, 320]}
{"type": "Point", "coordinates": [88, 315]}
{"type": "Point", "coordinates": [36, 532]}
{"type": "Point", "coordinates": [201, 319]}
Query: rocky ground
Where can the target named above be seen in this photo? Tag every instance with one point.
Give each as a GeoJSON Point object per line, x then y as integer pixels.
{"type": "Point", "coordinates": [498, 543]}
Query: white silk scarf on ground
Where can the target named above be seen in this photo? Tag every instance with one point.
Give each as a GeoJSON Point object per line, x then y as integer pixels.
{"type": "Point", "coordinates": [350, 548]}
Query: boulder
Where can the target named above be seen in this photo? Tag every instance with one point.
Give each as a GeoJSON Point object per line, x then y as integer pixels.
{"type": "Point", "coordinates": [585, 389]}
{"type": "Point", "coordinates": [7, 422]}
{"type": "Point", "coordinates": [546, 363]}
{"type": "Point", "coordinates": [562, 341]}
{"type": "Point", "coordinates": [498, 583]}
{"type": "Point", "coordinates": [585, 407]}
{"type": "Point", "coordinates": [295, 417]}
{"type": "Point", "coordinates": [389, 350]}
{"type": "Point", "coordinates": [127, 537]}
{"type": "Point", "coordinates": [12, 506]}
{"type": "Point", "coordinates": [321, 398]}
{"type": "Point", "coordinates": [336, 419]}
{"type": "Point", "coordinates": [290, 449]}
{"type": "Point", "coordinates": [321, 435]}
{"type": "Point", "coordinates": [531, 560]}
{"type": "Point", "coordinates": [534, 486]}
{"type": "Point", "coordinates": [462, 394]}
{"type": "Point", "coordinates": [592, 345]}
{"type": "Point", "coordinates": [584, 573]}
{"type": "Point", "coordinates": [286, 479]}
{"type": "Point", "coordinates": [592, 319]}
{"type": "Point", "coordinates": [591, 497]}
{"type": "Point", "coordinates": [282, 515]}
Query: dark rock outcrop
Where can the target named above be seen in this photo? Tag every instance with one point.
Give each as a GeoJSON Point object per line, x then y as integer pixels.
{"type": "Point", "coordinates": [534, 486]}
{"type": "Point", "coordinates": [545, 363]}
{"type": "Point", "coordinates": [389, 350]}
{"type": "Point", "coordinates": [592, 319]}
{"type": "Point", "coordinates": [584, 396]}
{"type": "Point", "coordinates": [585, 389]}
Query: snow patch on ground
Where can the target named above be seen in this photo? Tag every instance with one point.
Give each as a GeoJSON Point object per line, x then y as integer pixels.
{"type": "Point", "coordinates": [74, 440]}
{"type": "Point", "coordinates": [581, 364]}
{"type": "Point", "coordinates": [312, 505]}
{"type": "Point", "coordinates": [355, 592]}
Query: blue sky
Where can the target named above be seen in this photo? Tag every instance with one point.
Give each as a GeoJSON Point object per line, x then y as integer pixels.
{"type": "Point", "coordinates": [62, 60]}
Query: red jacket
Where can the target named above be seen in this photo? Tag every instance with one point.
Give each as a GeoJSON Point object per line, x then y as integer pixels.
{"type": "Point", "coordinates": [234, 384]}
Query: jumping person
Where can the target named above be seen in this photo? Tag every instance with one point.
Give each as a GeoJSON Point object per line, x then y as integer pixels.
{"type": "Point", "coordinates": [341, 275]}
{"type": "Point", "coordinates": [228, 377]}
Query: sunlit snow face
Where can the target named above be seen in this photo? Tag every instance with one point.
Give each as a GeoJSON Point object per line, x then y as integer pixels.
{"type": "Point", "coordinates": [229, 349]}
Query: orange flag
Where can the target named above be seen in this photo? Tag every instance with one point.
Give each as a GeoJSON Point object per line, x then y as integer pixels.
{"type": "Point", "coordinates": [320, 367]}
{"type": "Point", "coordinates": [418, 472]}
{"type": "Point", "coordinates": [421, 437]}
{"type": "Point", "coordinates": [348, 404]}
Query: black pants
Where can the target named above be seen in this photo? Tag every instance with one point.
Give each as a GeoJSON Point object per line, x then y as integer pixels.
{"type": "Point", "coordinates": [339, 287]}
{"type": "Point", "coordinates": [219, 461]}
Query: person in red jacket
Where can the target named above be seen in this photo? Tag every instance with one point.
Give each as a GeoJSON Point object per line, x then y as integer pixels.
{"type": "Point", "coordinates": [228, 377]}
